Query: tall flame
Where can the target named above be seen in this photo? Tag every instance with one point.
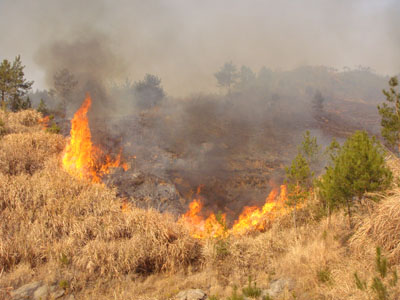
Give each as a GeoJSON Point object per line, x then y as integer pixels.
{"type": "Point", "coordinates": [81, 158]}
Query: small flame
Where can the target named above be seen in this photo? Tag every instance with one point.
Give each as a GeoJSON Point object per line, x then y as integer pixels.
{"type": "Point", "coordinates": [83, 159]}
{"type": "Point", "coordinates": [213, 226]}
{"type": "Point", "coordinates": [44, 122]}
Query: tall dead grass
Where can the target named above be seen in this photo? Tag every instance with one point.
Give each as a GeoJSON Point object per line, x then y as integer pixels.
{"type": "Point", "coordinates": [382, 227]}
{"type": "Point", "coordinates": [24, 121]}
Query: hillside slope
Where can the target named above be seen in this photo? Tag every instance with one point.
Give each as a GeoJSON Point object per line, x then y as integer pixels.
{"type": "Point", "coordinates": [60, 230]}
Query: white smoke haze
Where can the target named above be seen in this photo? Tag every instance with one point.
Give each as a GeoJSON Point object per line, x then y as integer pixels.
{"type": "Point", "coordinates": [184, 42]}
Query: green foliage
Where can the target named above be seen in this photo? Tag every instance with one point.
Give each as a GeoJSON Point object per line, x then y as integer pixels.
{"type": "Point", "coordinates": [13, 85]}
{"type": "Point", "coordinates": [390, 114]}
{"type": "Point", "coordinates": [64, 260]}
{"type": "Point", "coordinates": [380, 263]}
{"type": "Point", "coordinates": [379, 288]}
{"type": "Point", "coordinates": [395, 279]}
{"type": "Point", "coordinates": [213, 297]}
{"type": "Point", "coordinates": [298, 177]}
{"type": "Point", "coordinates": [361, 284]}
{"type": "Point", "coordinates": [221, 248]}
{"type": "Point", "coordinates": [64, 284]}
{"type": "Point", "coordinates": [268, 297]}
{"type": "Point", "coordinates": [355, 168]}
{"type": "Point", "coordinates": [309, 148]}
{"type": "Point", "coordinates": [382, 288]}
{"type": "Point", "coordinates": [251, 290]}
{"type": "Point", "coordinates": [324, 275]}
{"type": "Point", "coordinates": [53, 128]}
{"type": "Point", "coordinates": [235, 295]}
{"type": "Point", "coordinates": [221, 220]}
{"type": "Point", "coordinates": [17, 104]}
{"type": "Point", "coordinates": [42, 108]}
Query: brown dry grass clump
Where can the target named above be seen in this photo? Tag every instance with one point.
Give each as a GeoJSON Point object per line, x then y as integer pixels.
{"type": "Point", "coordinates": [382, 227]}
{"type": "Point", "coordinates": [27, 152]}
{"type": "Point", "coordinates": [21, 122]}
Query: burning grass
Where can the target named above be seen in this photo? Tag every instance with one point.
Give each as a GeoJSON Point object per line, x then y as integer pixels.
{"type": "Point", "coordinates": [82, 159]}
{"type": "Point", "coordinates": [49, 218]}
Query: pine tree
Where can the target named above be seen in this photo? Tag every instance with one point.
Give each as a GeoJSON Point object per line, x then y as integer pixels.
{"type": "Point", "coordinates": [298, 181]}
{"type": "Point", "coordinates": [390, 114]}
{"type": "Point", "coordinates": [355, 168]}
{"type": "Point", "coordinates": [13, 85]}
{"type": "Point", "coordinates": [42, 108]}
{"type": "Point", "coordinates": [227, 76]}
{"type": "Point", "coordinates": [310, 150]}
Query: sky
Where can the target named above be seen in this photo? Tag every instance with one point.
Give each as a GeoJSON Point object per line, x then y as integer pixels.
{"type": "Point", "coordinates": [186, 41]}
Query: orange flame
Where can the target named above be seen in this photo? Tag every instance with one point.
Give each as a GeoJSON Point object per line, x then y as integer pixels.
{"type": "Point", "coordinates": [256, 219]}
{"type": "Point", "coordinates": [44, 122]}
{"type": "Point", "coordinates": [213, 226]}
{"type": "Point", "coordinates": [251, 219]}
{"type": "Point", "coordinates": [83, 159]}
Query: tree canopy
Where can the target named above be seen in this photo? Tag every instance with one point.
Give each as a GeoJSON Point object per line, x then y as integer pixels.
{"type": "Point", "coordinates": [13, 85]}
{"type": "Point", "coordinates": [148, 91]}
{"type": "Point", "coordinates": [390, 114]}
{"type": "Point", "coordinates": [227, 76]}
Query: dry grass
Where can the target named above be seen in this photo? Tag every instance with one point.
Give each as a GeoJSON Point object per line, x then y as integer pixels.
{"type": "Point", "coordinates": [24, 121]}
{"type": "Point", "coordinates": [54, 227]}
{"type": "Point", "coordinates": [27, 152]}
{"type": "Point", "coordinates": [382, 227]}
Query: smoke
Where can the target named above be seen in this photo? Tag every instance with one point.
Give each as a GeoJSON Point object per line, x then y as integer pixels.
{"type": "Point", "coordinates": [184, 41]}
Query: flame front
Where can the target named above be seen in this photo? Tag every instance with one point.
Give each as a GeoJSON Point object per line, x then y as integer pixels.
{"type": "Point", "coordinates": [251, 219]}
{"type": "Point", "coordinates": [81, 158]}
{"type": "Point", "coordinates": [213, 226]}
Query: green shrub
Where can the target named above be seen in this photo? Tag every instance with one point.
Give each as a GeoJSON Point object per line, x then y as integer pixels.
{"type": "Point", "coordinates": [251, 290]}
{"type": "Point", "coordinates": [235, 295]}
{"type": "Point", "coordinates": [380, 285]}
{"type": "Point", "coordinates": [324, 275]}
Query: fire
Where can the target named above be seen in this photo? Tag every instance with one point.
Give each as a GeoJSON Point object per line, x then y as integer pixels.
{"type": "Point", "coordinates": [255, 219]}
{"type": "Point", "coordinates": [83, 159]}
{"type": "Point", "coordinates": [213, 226]}
{"type": "Point", "coordinates": [251, 219]}
{"type": "Point", "coordinates": [44, 122]}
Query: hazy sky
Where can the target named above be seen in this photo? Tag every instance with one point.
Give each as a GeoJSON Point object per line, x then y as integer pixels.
{"type": "Point", "coordinates": [186, 41]}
